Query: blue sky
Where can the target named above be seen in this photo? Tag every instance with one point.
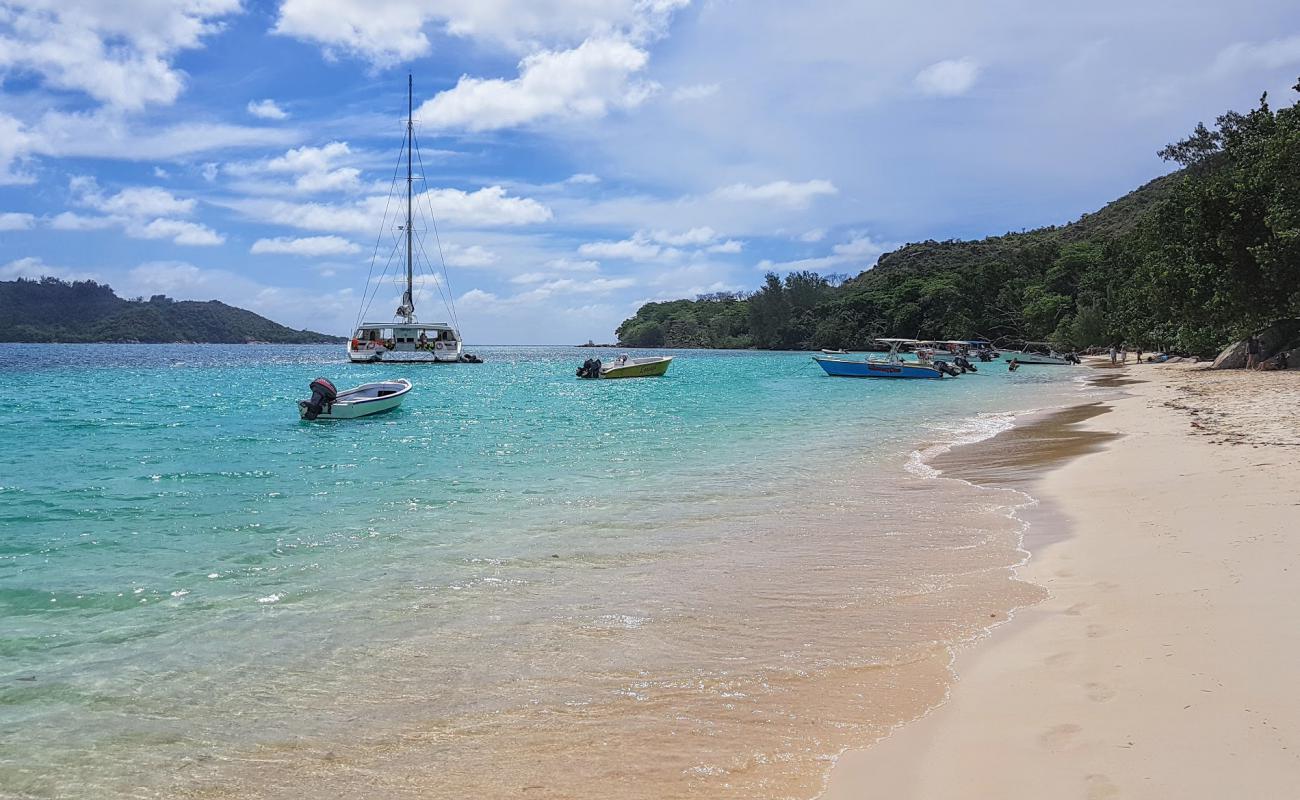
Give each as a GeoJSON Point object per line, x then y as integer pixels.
{"type": "Point", "coordinates": [581, 156]}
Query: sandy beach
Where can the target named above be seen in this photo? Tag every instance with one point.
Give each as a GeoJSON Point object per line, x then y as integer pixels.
{"type": "Point", "coordinates": [1163, 662]}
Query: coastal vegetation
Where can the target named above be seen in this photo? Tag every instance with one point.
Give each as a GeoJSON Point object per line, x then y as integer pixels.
{"type": "Point", "coordinates": [52, 310]}
{"type": "Point", "coordinates": [1190, 261]}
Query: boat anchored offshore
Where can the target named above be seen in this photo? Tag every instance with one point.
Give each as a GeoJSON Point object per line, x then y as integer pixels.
{"type": "Point", "coordinates": [1039, 353]}
{"type": "Point", "coordinates": [625, 367]}
{"type": "Point", "coordinates": [365, 400]}
{"type": "Point", "coordinates": [407, 340]}
{"type": "Point", "coordinates": [892, 365]}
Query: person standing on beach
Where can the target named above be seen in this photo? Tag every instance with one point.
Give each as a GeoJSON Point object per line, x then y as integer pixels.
{"type": "Point", "coordinates": [1252, 353]}
{"type": "Point", "coordinates": [1112, 355]}
{"type": "Point", "coordinates": [1123, 355]}
{"type": "Point", "coordinates": [1139, 355]}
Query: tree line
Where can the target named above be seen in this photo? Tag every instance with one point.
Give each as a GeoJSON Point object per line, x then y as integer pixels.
{"type": "Point", "coordinates": [1188, 262]}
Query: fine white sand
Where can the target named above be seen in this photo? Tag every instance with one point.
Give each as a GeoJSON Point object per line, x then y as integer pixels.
{"type": "Point", "coordinates": [1166, 662]}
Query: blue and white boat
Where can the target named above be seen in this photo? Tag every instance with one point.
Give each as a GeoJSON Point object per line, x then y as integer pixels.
{"type": "Point", "coordinates": [891, 366]}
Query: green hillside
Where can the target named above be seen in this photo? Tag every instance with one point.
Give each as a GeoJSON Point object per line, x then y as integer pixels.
{"type": "Point", "coordinates": [51, 310]}
{"type": "Point", "coordinates": [1190, 261]}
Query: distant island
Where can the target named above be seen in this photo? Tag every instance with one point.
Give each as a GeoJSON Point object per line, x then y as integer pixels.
{"type": "Point", "coordinates": [1190, 261]}
{"type": "Point", "coordinates": [52, 310]}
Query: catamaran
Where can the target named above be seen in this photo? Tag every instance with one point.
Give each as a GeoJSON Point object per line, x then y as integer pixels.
{"type": "Point", "coordinates": [405, 339]}
{"type": "Point", "coordinates": [893, 365]}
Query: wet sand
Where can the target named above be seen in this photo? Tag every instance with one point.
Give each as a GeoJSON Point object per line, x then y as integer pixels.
{"type": "Point", "coordinates": [1162, 664]}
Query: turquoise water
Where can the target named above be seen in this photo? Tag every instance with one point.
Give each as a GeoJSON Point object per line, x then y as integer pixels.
{"type": "Point", "coordinates": [190, 577]}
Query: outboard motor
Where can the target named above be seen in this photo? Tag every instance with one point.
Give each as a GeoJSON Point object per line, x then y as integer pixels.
{"type": "Point", "coordinates": [965, 364]}
{"type": "Point", "coordinates": [323, 394]}
{"type": "Point", "coordinates": [1073, 358]}
{"type": "Point", "coordinates": [946, 368]}
{"type": "Point", "coordinates": [590, 368]}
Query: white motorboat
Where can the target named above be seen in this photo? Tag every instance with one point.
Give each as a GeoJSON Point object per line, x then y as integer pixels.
{"type": "Point", "coordinates": [365, 400]}
{"type": "Point", "coordinates": [834, 352]}
{"type": "Point", "coordinates": [1039, 353]}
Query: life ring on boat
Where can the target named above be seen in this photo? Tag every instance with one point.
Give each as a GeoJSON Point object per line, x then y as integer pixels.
{"type": "Point", "coordinates": [438, 345]}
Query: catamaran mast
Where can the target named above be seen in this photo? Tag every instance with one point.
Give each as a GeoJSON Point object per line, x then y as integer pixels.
{"type": "Point", "coordinates": [408, 302]}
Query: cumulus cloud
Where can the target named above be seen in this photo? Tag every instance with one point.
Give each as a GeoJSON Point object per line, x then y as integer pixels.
{"type": "Point", "coordinates": [16, 221]}
{"type": "Point", "coordinates": [313, 246]}
{"type": "Point", "coordinates": [386, 32]}
{"type": "Point", "coordinates": [117, 53]}
{"type": "Point", "coordinates": [142, 212]}
{"type": "Point", "coordinates": [266, 109]}
{"type": "Point", "coordinates": [584, 82]}
{"type": "Point", "coordinates": [663, 245]}
{"type": "Point", "coordinates": [582, 177]}
{"type": "Point", "coordinates": [314, 169]}
{"type": "Point", "coordinates": [629, 249]}
{"type": "Point", "coordinates": [948, 78]}
{"type": "Point", "coordinates": [472, 256]}
{"type": "Point", "coordinates": [488, 207]}
{"type": "Point", "coordinates": [792, 194]}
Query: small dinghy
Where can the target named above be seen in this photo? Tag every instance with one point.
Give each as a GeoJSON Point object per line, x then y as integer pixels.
{"type": "Point", "coordinates": [365, 400]}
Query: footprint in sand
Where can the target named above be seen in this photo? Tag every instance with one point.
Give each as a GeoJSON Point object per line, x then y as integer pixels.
{"type": "Point", "coordinates": [1099, 692]}
{"type": "Point", "coordinates": [1095, 631]}
{"type": "Point", "coordinates": [1100, 787]}
{"type": "Point", "coordinates": [1076, 609]}
{"type": "Point", "coordinates": [1058, 659]}
{"type": "Point", "coordinates": [1059, 735]}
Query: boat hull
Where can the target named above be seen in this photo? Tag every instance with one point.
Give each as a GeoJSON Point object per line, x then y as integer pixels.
{"type": "Point", "coordinates": [845, 368]}
{"type": "Point", "coordinates": [345, 408]}
{"type": "Point", "coordinates": [1035, 358]}
{"type": "Point", "coordinates": [653, 370]}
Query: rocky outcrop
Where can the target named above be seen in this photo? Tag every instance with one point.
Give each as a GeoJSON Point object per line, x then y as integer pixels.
{"type": "Point", "coordinates": [1281, 335]}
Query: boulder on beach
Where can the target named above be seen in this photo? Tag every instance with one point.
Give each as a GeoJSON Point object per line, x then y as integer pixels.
{"type": "Point", "coordinates": [1281, 335]}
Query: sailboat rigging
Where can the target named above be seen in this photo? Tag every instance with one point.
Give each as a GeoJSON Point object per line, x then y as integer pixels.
{"type": "Point", "coordinates": [406, 339]}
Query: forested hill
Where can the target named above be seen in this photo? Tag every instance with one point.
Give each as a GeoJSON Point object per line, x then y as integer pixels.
{"type": "Point", "coordinates": [1188, 261]}
{"type": "Point", "coordinates": [51, 310]}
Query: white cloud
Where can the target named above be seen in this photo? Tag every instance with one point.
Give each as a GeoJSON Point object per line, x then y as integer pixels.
{"type": "Point", "coordinates": [584, 82]}
{"type": "Point", "coordinates": [472, 256]}
{"type": "Point", "coordinates": [860, 252]}
{"type": "Point", "coordinates": [948, 78]}
{"type": "Point", "coordinates": [582, 177]}
{"type": "Point", "coordinates": [630, 249]}
{"type": "Point", "coordinates": [16, 221]}
{"type": "Point", "coordinates": [142, 212]}
{"type": "Point", "coordinates": [179, 231]}
{"type": "Point", "coordinates": [530, 277]}
{"type": "Point", "coordinates": [697, 91]}
{"type": "Point", "coordinates": [386, 32]}
{"type": "Point", "coordinates": [694, 236]}
{"type": "Point", "coordinates": [15, 145]}
{"type": "Point", "coordinates": [312, 246]}
{"type": "Point", "coordinates": [314, 168]}
{"type": "Point", "coordinates": [160, 173]}
{"type": "Point", "coordinates": [488, 207]}
{"type": "Point", "coordinates": [729, 246]}
{"type": "Point", "coordinates": [71, 221]}
{"type": "Point", "coordinates": [32, 268]}
{"type": "Point", "coordinates": [569, 265]}
{"type": "Point", "coordinates": [485, 207]}
{"type": "Point", "coordinates": [118, 53]}
{"type": "Point", "coordinates": [794, 195]}
{"type": "Point", "coordinates": [814, 235]}
{"type": "Point", "coordinates": [210, 170]}
{"type": "Point", "coordinates": [266, 109]}
{"type": "Point", "coordinates": [1249, 56]}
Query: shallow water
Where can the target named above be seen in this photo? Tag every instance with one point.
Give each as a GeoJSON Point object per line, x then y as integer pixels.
{"type": "Point", "coordinates": [700, 585]}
